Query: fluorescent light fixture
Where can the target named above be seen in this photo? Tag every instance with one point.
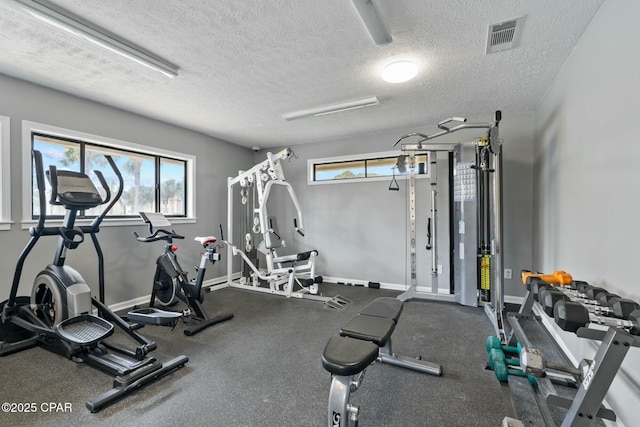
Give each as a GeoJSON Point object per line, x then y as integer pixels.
{"type": "Point", "coordinates": [330, 109]}
{"type": "Point", "coordinates": [399, 71]}
{"type": "Point", "coordinates": [63, 20]}
{"type": "Point", "coordinates": [371, 19]}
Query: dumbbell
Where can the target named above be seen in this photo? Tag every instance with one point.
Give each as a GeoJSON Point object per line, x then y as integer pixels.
{"type": "Point", "coordinates": [530, 360]}
{"type": "Point", "coordinates": [587, 291]}
{"type": "Point", "coordinates": [494, 342]}
{"type": "Point", "coordinates": [500, 366]}
{"type": "Point", "coordinates": [601, 295]}
{"type": "Point", "coordinates": [536, 285]}
{"type": "Point", "coordinates": [548, 297]}
{"type": "Point", "coordinates": [579, 285]}
{"type": "Point", "coordinates": [619, 307]}
{"type": "Point", "coordinates": [498, 353]}
{"type": "Point", "coordinates": [557, 277]}
{"type": "Point", "coordinates": [606, 299]}
{"type": "Point", "coordinates": [571, 316]}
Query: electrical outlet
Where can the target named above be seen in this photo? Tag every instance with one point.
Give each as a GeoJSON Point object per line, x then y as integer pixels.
{"type": "Point", "coordinates": [507, 273]}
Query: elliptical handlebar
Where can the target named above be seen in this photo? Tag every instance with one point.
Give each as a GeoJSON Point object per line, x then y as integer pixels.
{"type": "Point", "coordinates": [37, 159]}
{"type": "Point", "coordinates": [53, 180]}
{"type": "Point", "coordinates": [96, 222]}
{"type": "Point", "coordinates": [105, 186]}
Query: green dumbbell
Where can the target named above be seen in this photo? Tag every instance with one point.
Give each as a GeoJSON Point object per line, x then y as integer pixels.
{"type": "Point", "coordinates": [494, 342]}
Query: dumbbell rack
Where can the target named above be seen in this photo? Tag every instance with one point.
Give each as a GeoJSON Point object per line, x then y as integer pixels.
{"type": "Point", "coordinates": [594, 382]}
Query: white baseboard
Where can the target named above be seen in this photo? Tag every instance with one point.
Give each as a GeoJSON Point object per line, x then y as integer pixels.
{"type": "Point", "coordinates": [125, 305]}
{"type": "Point", "coordinates": [383, 285]}
{"type": "Point", "coordinates": [510, 299]}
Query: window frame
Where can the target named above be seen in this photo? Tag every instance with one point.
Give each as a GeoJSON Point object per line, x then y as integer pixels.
{"type": "Point", "coordinates": [5, 173]}
{"type": "Point", "coordinates": [312, 163]}
{"type": "Point", "coordinates": [29, 128]}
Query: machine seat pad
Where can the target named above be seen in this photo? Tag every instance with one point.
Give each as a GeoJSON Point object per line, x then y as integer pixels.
{"type": "Point", "coordinates": [369, 328]}
{"type": "Point", "coordinates": [345, 356]}
{"type": "Point", "coordinates": [386, 307]}
{"type": "Point", "coordinates": [302, 256]}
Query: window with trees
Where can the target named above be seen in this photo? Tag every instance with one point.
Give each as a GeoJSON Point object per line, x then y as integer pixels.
{"type": "Point", "coordinates": [152, 182]}
{"type": "Point", "coordinates": [365, 167]}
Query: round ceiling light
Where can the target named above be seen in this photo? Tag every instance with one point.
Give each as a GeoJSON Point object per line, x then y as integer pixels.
{"type": "Point", "coordinates": [399, 71]}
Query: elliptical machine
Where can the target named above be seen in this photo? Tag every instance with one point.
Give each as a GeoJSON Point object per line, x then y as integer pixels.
{"type": "Point", "coordinates": [59, 313]}
{"type": "Point", "coordinates": [170, 281]}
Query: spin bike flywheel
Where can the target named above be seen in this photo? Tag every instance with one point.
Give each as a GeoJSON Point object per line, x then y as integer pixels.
{"type": "Point", "coordinates": [166, 288]}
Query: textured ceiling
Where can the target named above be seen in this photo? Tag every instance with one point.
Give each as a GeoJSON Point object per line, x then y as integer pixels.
{"type": "Point", "coordinates": [244, 63]}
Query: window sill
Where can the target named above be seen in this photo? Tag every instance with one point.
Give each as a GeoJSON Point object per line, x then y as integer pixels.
{"type": "Point", "coordinates": [5, 225]}
{"type": "Point", "coordinates": [113, 222]}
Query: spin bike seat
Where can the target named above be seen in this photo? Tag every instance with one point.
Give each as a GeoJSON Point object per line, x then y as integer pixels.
{"type": "Point", "coordinates": [205, 240]}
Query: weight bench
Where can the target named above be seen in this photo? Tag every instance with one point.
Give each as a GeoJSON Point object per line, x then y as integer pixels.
{"type": "Point", "coordinates": [365, 339]}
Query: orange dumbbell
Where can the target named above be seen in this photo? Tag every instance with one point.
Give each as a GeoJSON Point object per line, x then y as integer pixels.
{"type": "Point", "coordinates": [556, 278]}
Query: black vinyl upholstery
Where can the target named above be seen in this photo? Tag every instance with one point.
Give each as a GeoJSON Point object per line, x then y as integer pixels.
{"type": "Point", "coordinates": [346, 356]}
{"type": "Point", "coordinates": [369, 328]}
{"type": "Point", "coordinates": [387, 307]}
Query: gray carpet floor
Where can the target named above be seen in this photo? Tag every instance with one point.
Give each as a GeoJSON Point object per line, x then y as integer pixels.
{"type": "Point", "coordinates": [263, 368]}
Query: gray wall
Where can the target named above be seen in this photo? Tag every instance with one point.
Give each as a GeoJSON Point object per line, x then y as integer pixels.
{"type": "Point", "coordinates": [361, 229]}
{"type": "Point", "coordinates": [587, 174]}
{"type": "Point", "coordinates": [129, 265]}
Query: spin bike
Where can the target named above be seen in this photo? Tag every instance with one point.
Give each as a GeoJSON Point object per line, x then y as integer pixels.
{"type": "Point", "coordinates": [59, 314]}
{"type": "Point", "coordinates": [170, 282]}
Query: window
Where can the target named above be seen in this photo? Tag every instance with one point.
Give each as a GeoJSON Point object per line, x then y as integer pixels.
{"type": "Point", "coordinates": [154, 180]}
{"type": "Point", "coordinates": [365, 167]}
{"type": "Point", "coordinates": [5, 175]}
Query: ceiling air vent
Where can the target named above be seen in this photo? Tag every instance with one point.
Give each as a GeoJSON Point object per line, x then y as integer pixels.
{"type": "Point", "coordinates": [504, 35]}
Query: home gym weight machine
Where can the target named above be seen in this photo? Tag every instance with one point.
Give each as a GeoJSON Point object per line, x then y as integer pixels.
{"type": "Point", "coordinates": [59, 314]}
{"type": "Point", "coordinates": [170, 281]}
{"type": "Point", "coordinates": [282, 272]}
{"type": "Point", "coordinates": [474, 215]}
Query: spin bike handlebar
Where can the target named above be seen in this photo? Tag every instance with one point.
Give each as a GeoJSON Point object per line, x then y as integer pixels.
{"type": "Point", "coordinates": [159, 234]}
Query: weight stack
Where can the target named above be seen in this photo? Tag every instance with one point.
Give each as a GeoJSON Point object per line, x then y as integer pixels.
{"type": "Point", "coordinates": [485, 278]}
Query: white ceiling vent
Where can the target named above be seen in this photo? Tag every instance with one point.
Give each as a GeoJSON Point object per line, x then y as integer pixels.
{"type": "Point", "coordinates": [504, 35]}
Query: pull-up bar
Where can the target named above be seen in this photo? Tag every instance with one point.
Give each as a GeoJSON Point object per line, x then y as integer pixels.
{"type": "Point", "coordinates": [445, 130]}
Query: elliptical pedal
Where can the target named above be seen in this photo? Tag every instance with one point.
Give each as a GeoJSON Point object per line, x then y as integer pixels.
{"type": "Point", "coordinates": [85, 329]}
